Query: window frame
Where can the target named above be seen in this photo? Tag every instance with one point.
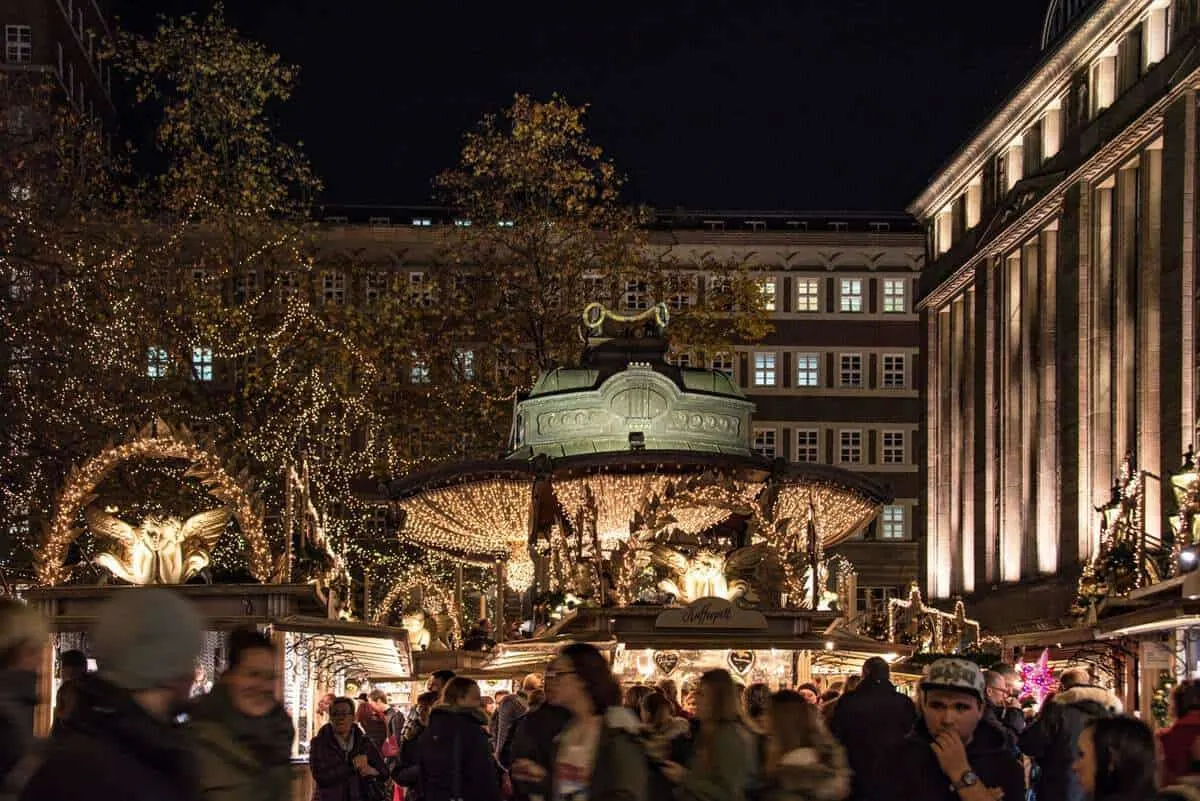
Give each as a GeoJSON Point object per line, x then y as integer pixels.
{"type": "Point", "coordinates": [731, 372]}
{"type": "Point", "coordinates": [768, 290]}
{"type": "Point", "coordinates": [18, 49]}
{"type": "Point", "coordinates": [765, 431]}
{"type": "Point", "coordinates": [886, 525]}
{"type": "Point", "coordinates": [772, 370]}
{"type": "Point", "coordinates": [803, 298]}
{"type": "Point", "coordinates": [887, 376]}
{"type": "Point", "coordinates": [333, 287]}
{"type": "Point", "coordinates": [842, 446]}
{"type": "Point", "coordinates": [802, 377]}
{"type": "Point", "coordinates": [202, 363]}
{"type": "Point", "coordinates": [844, 296]}
{"type": "Point", "coordinates": [902, 283]}
{"type": "Point", "coordinates": [888, 453]}
{"type": "Point", "coordinates": [814, 447]}
{"type": "Point", "coordinates": [843, 371]}
{"type": "Point", "coordinates": [158, 362]}
{"type": "Point", "coordinates": [639, 292]}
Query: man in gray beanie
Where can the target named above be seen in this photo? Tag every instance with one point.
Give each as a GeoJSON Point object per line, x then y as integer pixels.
{"type": "Point", "coordinates": [120, 741]}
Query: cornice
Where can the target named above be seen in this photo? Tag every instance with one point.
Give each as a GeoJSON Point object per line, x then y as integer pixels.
{"type": "Point", "coordinates": [1048, 80]}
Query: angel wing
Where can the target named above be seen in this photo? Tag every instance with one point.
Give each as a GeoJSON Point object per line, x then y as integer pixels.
{"type": "Point", "coordinates": [198, 536]}
{"type": "Point", "coordinates": [129, 558]}
{"type": "Point", "coordinates": [671, 559]}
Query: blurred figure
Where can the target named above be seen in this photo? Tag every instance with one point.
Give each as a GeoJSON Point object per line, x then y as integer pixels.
{"type": "Point", "coordinates": [598, 756]}
{"type": "Point", "coordinates": [670, 690]}
{"type": "Point", "coordinates": [829, 709]}
{"type": "Point", "coordinates": [342, 758]}
{"type": "Point", "coordinates": [241, 733]}
{"type": "Point", "coordinates": [634, 695]}
{"type": "Point", "coordinates": [804, 762]}
{"type": "Point", "coordinates": [491, 706]}
{"type": "Point", "coordinates": [372, 716]}
{"type": "Point", "coordinates": [23, 637]}
{"type": "Point", "coordinates": [1177, 741]}
{"type": "Point", "coordinates": [512, 708]}
{"type": "Point", "coordinates": [453, 756]}
{"type": "Point", "coordinates": [73, 665]}
{"type": "Point", "coordinates": [533, 739]}
{"type": "Point", "coordinates": [407, 772]}
{"type": "Point", "coordinates": [435, 684]}
{"type": "Point", "coordinates": [871, 720]}
{"type": "Point", "coordinates": [720, 768]}
{"type": "Point", "coordinates": [1001, 704]}
{"type": "Point", "coordinates": [661, 731]}
{"type": "Point", "coordinates": [1115, 761]}
{"type": "Point", "coordinates": [120, 741]}
{"type": "Point", "coordinates": [811, 693]}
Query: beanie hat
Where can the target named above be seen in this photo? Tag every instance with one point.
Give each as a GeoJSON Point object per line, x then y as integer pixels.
{"type": "Point", "coordinates": [147, 639]}
{"type": "Point", "coordinates": [957, 675]}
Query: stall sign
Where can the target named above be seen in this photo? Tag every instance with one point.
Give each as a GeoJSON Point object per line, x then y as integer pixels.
{"type": "Point", "coordinates": [711, 614]}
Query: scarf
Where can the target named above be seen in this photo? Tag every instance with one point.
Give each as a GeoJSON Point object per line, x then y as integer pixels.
{"type": "Point", "coordinates": [268, 737]}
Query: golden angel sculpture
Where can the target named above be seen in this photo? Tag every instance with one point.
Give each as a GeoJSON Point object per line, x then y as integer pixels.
{"type": "Point", "coordinates": [708, 574]}
{"type": "Point", "coordinates": [160, 550]}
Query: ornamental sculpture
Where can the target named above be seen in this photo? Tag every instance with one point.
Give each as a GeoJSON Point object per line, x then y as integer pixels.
{"type": "Point", "coordinates": [159, 550]}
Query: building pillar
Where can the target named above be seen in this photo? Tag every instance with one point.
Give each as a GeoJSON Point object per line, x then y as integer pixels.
{"type": "Point", "coordinates": [1030, 408]}
{"type": "Point", "coordinates": [1049, 464]}
{"type": "Point", "coordinates": [1011, 523]}
{"type": "Point", "coordinates": [1100, 420]}
{"type": "Point", "coordinates": [1149, 364]}
{"type": "Point", "coordinates": [953, 439]}
{"type": "Point", "coordinates": [935, 550]}
{"type": "Point", "coordinates": [1125, 306]}
{"type": "Point", "coordinates": [966, 474]}
{"type": "Point", "coordinates": [992, 418]}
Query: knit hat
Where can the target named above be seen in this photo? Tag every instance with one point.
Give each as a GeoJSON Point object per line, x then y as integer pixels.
{"type": "Point", "coordinates": [147, 639]}
{"type": "Point", "coordinates": [958, 675]}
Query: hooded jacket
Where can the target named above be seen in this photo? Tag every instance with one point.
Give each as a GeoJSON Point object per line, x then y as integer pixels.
{"type": "Point", "coordinates": [241, 758]}
{"type": "Point", "coordinates": [910, 770]}
{"type": "Point", "coordinates": [809, 774]}
{"type": "Point", "coordinates": [111, 749]}
{"type": "Point", "coordinates": [18, 697]}
{"type": "Point", "coordinates": [1053, 738]}
{"type": "Point", "coordinates": [457, 732]}
{"type": "Point", "coordinates": [619, 772]}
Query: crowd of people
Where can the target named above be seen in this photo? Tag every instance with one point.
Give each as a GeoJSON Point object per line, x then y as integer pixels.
{"type": "Point", "coordinates": [132, 730]}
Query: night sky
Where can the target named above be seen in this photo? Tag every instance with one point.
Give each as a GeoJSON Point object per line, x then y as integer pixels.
{"type": "Point", "coordinates": [763, 104]}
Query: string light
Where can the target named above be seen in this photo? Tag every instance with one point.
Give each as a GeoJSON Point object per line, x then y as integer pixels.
{"type": "Point", "coordinates": [433, 590]}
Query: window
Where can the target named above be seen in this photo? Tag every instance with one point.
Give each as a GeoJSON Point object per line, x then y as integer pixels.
{"type": "Point", "coordinates": [333, 287]}
{"type": "Point", "coordinates": [419, 372]}
{"type": "Point", "coordinates": [723, 363]}
{"type": "Point", "coordinates": [678, 301]}
{"type": "Point", "coordinates": [375, 285]}
{"type": "Point", "coordinates": [764, 369]}
{"type": "Point", "coordinates": [244, 286]}
{"type": "Point", "coordinates": [19, 120]}
{"type": "Point", "coordinates": [420, 289]}
{"type": "Point", "coordinates": [893, 447]}
{"type": "Point", "coordinates": [764, 442]}
{"type": "Point", "coordinates": [593, 286]}
{"type": "Point", "coordinates": [766, 290]}
{"type": "Point", "coordinates": [157, 362]}
{"type": "Point", "coordinates": [288, 285]}
{"type": "Point", "coordinates": [808, 294]}
{"type": "Point", "coordinates": [851, 374]}
{"type": "Point", "coordinates": [895, 296]}
{"type": "Point", "coordinates": [894, 372]}
{"type": "Point", "coordinates": [720, 292]}
{"type": "Point", "coordinates": [808, 370]}
{"type": "Point", "coordinates": [680, 359]}
{"type": "Point", "coordinates": [637, 295]}
{"type": "Point", "coordinates": [1103, 84]}
{"type": "Point", "coordinates": [464, 364]}
{"type": "Point", "coordinates": [1155, 30]}
{"type": "Point", "coordinates": [422, 222]}
{"type": "Point", "coordinates": [20, 192]}
{"type": "Point", "coordinates": [892, 524]}
{"type": "Point", "coordinates": [202, 364]}
{"type": "Point", "coordinates": [851, 450]}
{"type": "Point", "coordinates": [18, 44]}
{"type": "Point", "coordinates": [808, 445]}
{"type": "Point", "coordinates": [852, 295]}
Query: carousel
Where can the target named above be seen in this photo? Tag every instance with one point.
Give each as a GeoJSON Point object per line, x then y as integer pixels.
{"type": "Point", "coordinates": [632, 513]}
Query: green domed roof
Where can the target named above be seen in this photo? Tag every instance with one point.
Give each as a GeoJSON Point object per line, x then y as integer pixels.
{"type": "Point", "coordinates": [713, 382]}
{"type": "Point", "coordinates": [564, 379]}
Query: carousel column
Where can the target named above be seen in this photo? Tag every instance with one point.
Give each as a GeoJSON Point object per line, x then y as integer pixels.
{"type": "Point", "coordinates": [501, 586]}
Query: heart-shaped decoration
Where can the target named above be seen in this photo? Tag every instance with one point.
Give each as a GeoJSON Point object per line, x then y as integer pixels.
{"type": "Point", "coordinates": [741, 661]}
{"type": "Point", "coordinates": [666, 661]}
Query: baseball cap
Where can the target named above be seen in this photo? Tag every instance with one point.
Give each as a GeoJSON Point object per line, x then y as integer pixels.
{"type": "Point", "coordinates": [957, 675]}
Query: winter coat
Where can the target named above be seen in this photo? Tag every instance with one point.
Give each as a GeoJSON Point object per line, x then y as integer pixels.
{"type": "Point", "coordinates": [868, 723]}
{"type": "Point", "coordinates": [619, 771]}
{"type": "Point", "coordinates": [1175, 744]}
{"type": "Point", "coordinates": [659, 745]}
{"type": "Point", "coordinates": [18, 698]}
{"type": "Point", "coordinates": [240, 758]}
{"type": "Point", "coordinates": [512, 707]}
{"type": "Point", "coordinates": [373, 722]}
{"type": "Point", "coordinates": [112, 749]}
{"type": "Point", "coordinates": [1053, 738]}
{"type": "Point", "coordinates": [727, 775]}
{"type": "Point", "coordinates": [809, 774]}
{"type": "Point", "coordinates": [1008, 717]}
{"type": "Point", "coordinates": [534, 738]}
{"type": "Point", "coordinates": [910, 770]}
{"type": "Point", "coordinates": [333, 769]}
{"type": "Point", "coordinates": [457, 732]}
{"type": "Point", "coordinates": [407, 771]}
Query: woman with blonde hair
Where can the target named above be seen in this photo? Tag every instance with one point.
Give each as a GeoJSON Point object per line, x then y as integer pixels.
{"type": "Point", "coordinates": [23, 637]}
{"type": "Point", "coordinates": [804, 762]}
{"type": "Point", "coordinates": [720, 768]}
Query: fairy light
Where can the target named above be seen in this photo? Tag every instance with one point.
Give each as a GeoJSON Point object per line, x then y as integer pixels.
{"type": "Point", "coordinates": [437, 599]}
{"type": "Point", "coordinates": [477, 520]}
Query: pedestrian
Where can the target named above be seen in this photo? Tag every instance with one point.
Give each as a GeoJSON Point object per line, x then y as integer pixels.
{"type": "Point", "coordinates": [634, 695]}
{"type": "Point", "coordinates": [22, 642]}
{"type": "Point", "coordinates": [534, 739]}
{"type": "Point", "coordinates": [407, 771]}
{"type": "Point", "coordinates": [721, 765]}
{"type": "Point", "coordinates": [870, 721]}
{"type": "Point", "coordinates": [1116, 760]}
{"type": "Point", "coordinates": [73, 665]}
{"type": "Point", "coordinates": [1002, 706]}
{"type": "Point", "coordinates": [512, 708]}
{"type": "Point", "coordinates": [120, 741]}
{"type": "Point", "coordinates": [661, 733]}
{"type": "Point", "coordinates": [1177, 741]}
{"type": "Point", "coordinates": [345, 764]}
{"type": "Point", "coordinates": [454, 758]}
{"type": "Point", "coordinates": [372, 716]}
{"type": "Point", "coordinates": [950, 754]}
{"type": "Point", "coordinates": [830, 709]}
{"type": "Point", "coordinates": [803, 761]}
{"type": "Point", "coordinates": [1053, 739]}
{"type": "Point", "coordinates": [436, 682]}
{"type": "Point", "coordinates": [670, 690]}
{"type": "Point", "coordinates": [241, 733]}
{"type": "Point", "coordinates": [597, 756]}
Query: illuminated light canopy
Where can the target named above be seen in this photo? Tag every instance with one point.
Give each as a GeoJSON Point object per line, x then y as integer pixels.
{"type": "Point", "coordinates": [476, 519]}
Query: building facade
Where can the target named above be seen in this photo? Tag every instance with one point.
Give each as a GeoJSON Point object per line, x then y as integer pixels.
{"type": "Point", "coordinates": [837, 382]}
{"type": "Point", "coordinates": [1058, 308]}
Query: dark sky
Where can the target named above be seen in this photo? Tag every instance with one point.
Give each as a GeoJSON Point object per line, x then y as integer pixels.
{"type": "Point", "coordinates": [766, 104]}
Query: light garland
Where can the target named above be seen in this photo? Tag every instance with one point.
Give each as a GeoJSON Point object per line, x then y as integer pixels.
{"type": "Point", "coordinates": [420, 578]}
{"type": "Point", "coordinates": [477, 520]}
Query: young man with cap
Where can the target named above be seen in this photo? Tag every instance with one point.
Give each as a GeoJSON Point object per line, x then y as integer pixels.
{"type": "Point", "coordinates": [120, 741]}
{"type": "Point", "coordinates": [951, 755]}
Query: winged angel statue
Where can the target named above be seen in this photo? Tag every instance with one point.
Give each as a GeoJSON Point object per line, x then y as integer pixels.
{"type": "Point", "coordinates": [160, 550]}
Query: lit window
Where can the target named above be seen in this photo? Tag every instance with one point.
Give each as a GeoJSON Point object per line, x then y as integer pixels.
{"type": "Point", "coordinates": [1104, 82]}
{"type": "Point", "coordinates": [851, 450]}
{"type": "Point", "coordinates": [723, 363]}
{"type": "Point", "coordinates": [333, 287]}
{"type": "Point", "coordinates": [420, 289]}
{"type": "Point", "coordinates": [808, 446]}
{"type": "Point", "coordinates": [18, 44]}
{"type": "Point", "coordinates": [506, 224]}
{"type": "Point", "coordinates": [419, 373]}
{"type": "Point", "coordinates": [202, 364]}
{"type": "Point", "coordinates": [893, 447]}
{"type": "Point", "coordinates": [895, 296]}
{"type": "Point", "coordinates": [892, 524]}
{"type": "Point", "coordinates": [808, 294]}
{"type": "Point", "coordinates": [376, 284]}
{"type": "Point", "coordinates": [764, 369]}
{"type": "Point", "coordinates": [637, 295]}
{"type": "Point", "coordinates": [679, 301]}
{"type": "Point", "coordinates": [680, 359]}
{"type": "Point", "coordinates": [764, 442]}
{"type": "Point", "coordinates": [851, 374]}
{"type": "Point", "coordinates": [157, 362]}
{"type": "Point", "coordinates": [422, 222]}
{"type": "Point", "coordinates": [464, 363]}
{"type": "Point", "coordinates": [462, 223]}
{"type": "Point", "coordinates": [766, 290]}
{"type": "Point", "coordinates": [807, 370]}
{"type": "Point", "coordinates": [894, 372]}
{"type": "Point", "coordinates": [20, 193]}
{"type": "Point", "coordinates": [852, 295]}
{"type": "Point", "coordinates": [1156, 35]}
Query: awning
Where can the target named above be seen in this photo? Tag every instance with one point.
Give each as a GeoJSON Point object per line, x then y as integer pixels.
{"type": "Point", "coordinates": [357, 649]}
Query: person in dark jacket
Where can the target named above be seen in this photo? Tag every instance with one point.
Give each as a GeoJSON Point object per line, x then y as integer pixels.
{"type": "Point", "coordinates": [407, 772]}
{"type": "Point", "coordinates": [73, 665]}
{"type": "Point", "coordinates": [1052, 740]}
{"type": "Point", "coordinates": [1001, 703]}
{"type": "Point", "coordinates": [871, 720]}
{"type": "Point", "coordinates": [454, 756]}
{"type": "Point", "coordinates": [119, 741]}
{"type": "Point", "coordinates": [1177, 742]}
{"type": "Point", "coordinates": [950, 754]}
{"type": "Point", "coordinates": [22, 638]}
{"type": "Point", "coordinates": [533, 739]}
{"type": "Point", "coordinates": [342, 757]}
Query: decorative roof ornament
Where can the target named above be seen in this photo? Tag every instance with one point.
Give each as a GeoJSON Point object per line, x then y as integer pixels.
{"type": "Point", "coordinates": [1060, 17]}
{"type": "Point", "coordinates": [595, 315]}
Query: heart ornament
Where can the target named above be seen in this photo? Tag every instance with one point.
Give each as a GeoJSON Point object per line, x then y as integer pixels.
{"type": "Point", "coordinates": [741, 661]}
{"type": "Point", "coordinates": [666, 661]}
